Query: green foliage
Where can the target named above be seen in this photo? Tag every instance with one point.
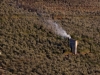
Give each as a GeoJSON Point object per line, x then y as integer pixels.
{"type": "Point", "coordinates": [28, 47]}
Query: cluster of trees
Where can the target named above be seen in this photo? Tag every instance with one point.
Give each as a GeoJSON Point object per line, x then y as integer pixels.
{"type": "Point", "coordinates": [29, 48]}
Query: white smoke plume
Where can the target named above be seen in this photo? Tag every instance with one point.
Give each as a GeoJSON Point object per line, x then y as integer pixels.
{"type": "Point", "coordinates": [58, 29]}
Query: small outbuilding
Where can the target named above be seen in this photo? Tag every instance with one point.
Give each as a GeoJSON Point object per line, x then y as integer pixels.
{"type": "Point", "coordinates": [73, 45]}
